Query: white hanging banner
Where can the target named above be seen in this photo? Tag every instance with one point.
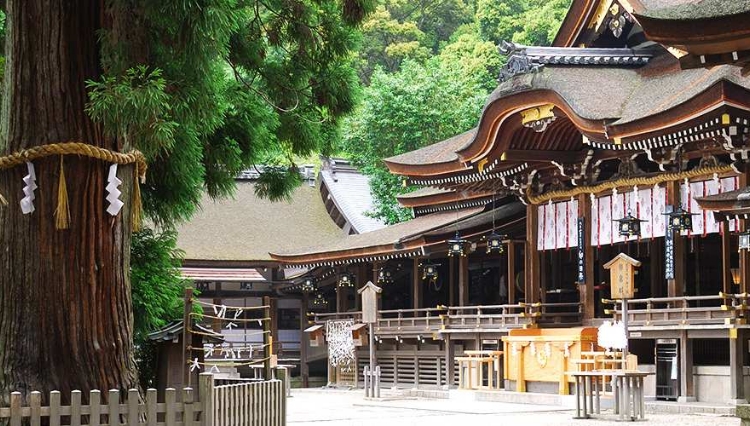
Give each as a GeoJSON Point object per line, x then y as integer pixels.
{"type": "Point", "coordinates": [557, 225]}
{"type": "Point", "coordinates": [27, 202]}
{"type": "Point", "coordinates": [113, 191]}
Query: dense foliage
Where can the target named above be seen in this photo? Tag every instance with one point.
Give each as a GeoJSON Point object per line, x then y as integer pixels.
{"type": "Point", "coordinates": [428, 67]}
{"type": "Point", "coordinates": [157, 292]}
{"type": "Point", "coordinates": [209, 88]}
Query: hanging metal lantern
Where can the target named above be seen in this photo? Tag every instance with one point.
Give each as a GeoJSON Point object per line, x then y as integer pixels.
{"type": "Point", "coordinates": [320, 301]}
{"type": "Point", "coordinates": [495, 243]}
{"type": "Point", "coordinates": [458, 246]}
{"type": "Point", "coordinates": [629, 226]}
{"type": "Point", "coordinates": [308, 285]}
{"type": "Point", "coordinates": [385, 276]}
{"type": "Point", "coordinates": [430, 271]}
{"type": "Point", "coordinates": [680, 220]}
{"type": "Point", "coordinates": [346, 280]}
{"type": "Point", "coordinates": [745, 240]}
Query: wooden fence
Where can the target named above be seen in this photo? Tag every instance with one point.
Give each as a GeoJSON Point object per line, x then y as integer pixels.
{"type": "Point", "coordinates": [252, 404]}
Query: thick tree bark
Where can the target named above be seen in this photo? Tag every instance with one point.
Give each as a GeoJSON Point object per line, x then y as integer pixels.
{"type": "Point", "coordinates": [65, 307]}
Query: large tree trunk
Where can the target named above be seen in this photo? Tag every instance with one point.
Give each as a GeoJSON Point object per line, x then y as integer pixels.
{"type": "Point", "coordinates": [65, 307]}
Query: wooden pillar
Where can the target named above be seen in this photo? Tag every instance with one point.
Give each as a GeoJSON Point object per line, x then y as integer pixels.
{"type": "Point", "coordinates": [450, 353]}
{"type": "Point", "coordinates": [341, 295]}
{"type": "Point", "coordinates": [532, 255]}
{"type": "Point", "coordinates": [726, 262]}
{"type": "Point", "coordinates": [375, 269]}
{"type": "Point", "coordinates": [744, 254]}
{"type": "Point", "coordinates": [676, 287]}
{"type": "Point", "coordinates": [737, 348]}
{"type": "Point", "coordinates": [586, 288]}
{"type": "Point", "coordinates": [216, 323]}
{"type": "Point", "coordinates": [545, 265]}
{"type": "Point", "coordinates": [463, 280]}
{"type": "Point", "coordinates": [304, 368]}
{"type": "Point", "coordinates": [416, 285]}
{"type": "Point", "coordinates": [511, 281]}
{"type": "Point", "coordinates": [451, 281]}
{"type": "Point", "coordinates": [687, 389]}
{"type": "Point", "coordinates": [273, 302]}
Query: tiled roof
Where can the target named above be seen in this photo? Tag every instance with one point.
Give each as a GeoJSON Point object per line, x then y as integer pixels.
{"type": "Point", "coordinates": [383, 239]}
{"type": "Point", "coordinates": [246, 227]}
{"type": "Point", "coordinates": [350, 191]}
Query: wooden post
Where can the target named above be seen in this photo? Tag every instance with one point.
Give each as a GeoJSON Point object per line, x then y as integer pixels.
{"type": "Point", "coordinates": [216, 323]}
{"type": "Point", "coordinates": [186, 336]}
{"type": "Point", "coordinates": [463, 281]}
{"type": "Point", "coordinates": [532, 255]}
{"type": "Point", "coordinates": [304, 368]}
{"type": "Point", "coordinates": [675, 287]}
{"type": "Point", "coordinates": [206, 397]}
{"type": "Point", "coordinates": [267, 339]}
{"type": "Point", "coordinates": [726, 263]}
{"type": "Point", "coordinates": [360, 282]}
{"type": "Point", "coordinates": [375, 269]}
{"type": "Point", "coordinates": [511, 281]}
{"type": "Point", "coordinates": [586, 288]}
{"type": "Point", "coordinates": [451, 281]}
{"type": "Point", "coordinates": [450, 360]}
{"type": "Point", "coordinates": [416, 282]}
{"type": "Point", "coordinates": [687, 389]}
{"type": "Point", "coordinates": [744, 262]}
{"type": "Point", "coordinates": [341, 293]}
{"type": "Point", "coordinates": [274, 311]}
{"type": "Point", "coordinates": [737, 348]}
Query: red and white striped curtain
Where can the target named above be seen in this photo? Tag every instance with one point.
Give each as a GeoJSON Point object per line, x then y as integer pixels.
{"type": "Point", "coordinates": [649, 204]}
{"type": "Point", "coordinates": [557, 225]}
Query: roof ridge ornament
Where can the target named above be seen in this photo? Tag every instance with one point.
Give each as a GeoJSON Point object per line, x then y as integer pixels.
{"type": "Point", "coordinates": [518, 62]}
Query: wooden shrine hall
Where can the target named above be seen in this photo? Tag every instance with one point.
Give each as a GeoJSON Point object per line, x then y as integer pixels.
{"type": "Point", "coordinates": [628, 135]}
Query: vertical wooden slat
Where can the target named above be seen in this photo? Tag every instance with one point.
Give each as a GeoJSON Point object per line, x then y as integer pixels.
{"type": "Point", "coordinates": [113, 402]}
{"type": "Point", "coordinates": [95, 401]}
{"type": "Point", "coordinates": [207, 399]}
{"type": "Point", "coordinates": [35, 402]}
{"type": "Point", "coordinates": [188, 418]}
{"type": "Point", "coordinates": [15, 409]}
{"type": "Point", "coordinates": [75, 408]}
{"type": "Point", "coordinates": [133, 414]}
{"type": "Point", "coordinates": [151, 401]}
{"type": "Point", "coordinates": [54, 408]}
{"type": "Point", "coordinates": [169, 399]}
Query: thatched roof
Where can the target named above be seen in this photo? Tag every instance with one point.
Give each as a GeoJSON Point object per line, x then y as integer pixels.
{"type": "Point", "coordinates": [246, 228]}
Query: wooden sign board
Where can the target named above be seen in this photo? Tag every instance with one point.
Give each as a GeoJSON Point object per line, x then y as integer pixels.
{"type": "Point", "coordinates": [370, 302]}
{"type": "Point", "coordinates": [622, 276]}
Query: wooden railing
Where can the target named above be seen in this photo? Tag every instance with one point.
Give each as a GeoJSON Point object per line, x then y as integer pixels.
{"type": "Point", "coordinates": [259, 403]}
{"type": "Point", "coordinates": [694, 310]}
{"type": "Point", "coordinates": [488, 317]}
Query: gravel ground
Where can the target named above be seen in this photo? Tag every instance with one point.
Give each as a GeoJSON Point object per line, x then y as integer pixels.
{"type": "Point", "coordinates": [339, 408]}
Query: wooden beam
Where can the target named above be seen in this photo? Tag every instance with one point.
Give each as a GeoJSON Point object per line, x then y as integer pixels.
{"type": "Point", "coordinates": [511, 281]}
{"type": "Point", "coordinates": [586, 288]}
{"type": "Point", "coordinates": [532, 256]}
{"type": "Point", "coordinates": [463, 281]}
{"type": "Point", "coordinates": [562, 157]}
{"type": "Point", "coordinates": [416, 282]}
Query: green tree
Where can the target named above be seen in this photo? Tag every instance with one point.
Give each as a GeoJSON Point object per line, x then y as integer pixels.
{"type": "Point", "coordinates": [529, 22]}
{"type": "Point", "coordinates": [204, 88]}
{"type": "Point", "coordinates": [409, 109]}
{"type": "Point", "coordinates": [157, 290]}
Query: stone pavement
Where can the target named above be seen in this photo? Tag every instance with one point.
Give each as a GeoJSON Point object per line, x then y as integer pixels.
{"type": "Point", "coordinates": [340, 408]}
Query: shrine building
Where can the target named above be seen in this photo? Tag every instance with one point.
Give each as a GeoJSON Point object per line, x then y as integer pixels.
{"type": "Point", "coordinates": [629, 135]}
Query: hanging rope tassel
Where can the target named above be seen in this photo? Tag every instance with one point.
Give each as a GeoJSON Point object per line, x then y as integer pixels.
{"type": "Point", "coordinates": [62, 212]}
{"type": "Point", "coordinates": [135, 210]}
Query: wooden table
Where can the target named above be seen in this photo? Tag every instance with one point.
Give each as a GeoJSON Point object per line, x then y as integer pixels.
{"type": "Point", "coordinates": [480, 360]}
